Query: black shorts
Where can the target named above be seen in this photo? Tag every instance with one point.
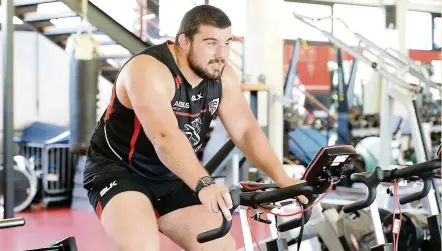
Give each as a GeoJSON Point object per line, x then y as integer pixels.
{"type": "Point", "coordinates": [166, 196]}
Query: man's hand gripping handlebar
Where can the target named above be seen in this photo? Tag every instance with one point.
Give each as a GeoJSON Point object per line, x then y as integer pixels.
{"type": "Point", "coordinates": [257, 195]}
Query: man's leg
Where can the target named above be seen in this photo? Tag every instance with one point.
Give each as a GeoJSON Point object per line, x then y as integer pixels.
{"type": "Point", "coordinates": [183, 225]}
{"type": "Point", "coordinates": [126, 214]}
{"type": "Point", "coordinates": [183, 217]}
{"type": "Point", "coordinates": [130, 223]}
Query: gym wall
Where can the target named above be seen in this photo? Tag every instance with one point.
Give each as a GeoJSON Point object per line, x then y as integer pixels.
{"type": "Point", "coordinates": [25, 79]}
{"type": "Point", "coordinates": [41, 87]}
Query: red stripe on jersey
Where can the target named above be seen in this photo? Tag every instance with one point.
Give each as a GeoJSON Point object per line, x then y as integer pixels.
{"type": "Point", "coordinates": [137, 128]}
{"type": "Point", "coordinates": [110, 106]}
{"type": "Point", "coordinates": [191, 115]}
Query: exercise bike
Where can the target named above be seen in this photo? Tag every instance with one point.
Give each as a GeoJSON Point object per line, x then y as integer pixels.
{"type": "Point", "coordinates": [325, 170]}
{"type": "Point", "coordinates": [67, 244]}
{"type": "Point", "coordinates": [423, 171]}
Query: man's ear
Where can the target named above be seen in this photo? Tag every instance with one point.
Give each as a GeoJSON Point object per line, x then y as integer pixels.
{"type": "Point", "coordinates": [184, 42]}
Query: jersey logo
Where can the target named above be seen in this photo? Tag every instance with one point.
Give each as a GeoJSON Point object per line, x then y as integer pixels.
{"type": "Point", "coordinates": [213, 106]}
{"type": "Point", "coordinates": [106, 189]}
{"type": "Point", "coordinates": [192, 131]}
{"type": "Point", "coordinates": [198, 97]}
{"type": "Point", "coordinates": [180, 104]}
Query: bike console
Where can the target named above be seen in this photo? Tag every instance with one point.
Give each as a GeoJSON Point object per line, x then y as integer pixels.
{"type": "Point", "coordinates": [328, 166]}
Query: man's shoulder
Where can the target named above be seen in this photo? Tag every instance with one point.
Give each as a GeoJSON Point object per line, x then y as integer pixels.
{"type": "Point", "coordinates": [229, 76]}
{"type": "Point", "coordinates": [148, 63]}
{"type": "Point", "coordinates": [156, 48]}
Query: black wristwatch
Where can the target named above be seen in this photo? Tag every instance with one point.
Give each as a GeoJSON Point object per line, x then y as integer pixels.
{"type": "Point", "coordinates": [202, 183]}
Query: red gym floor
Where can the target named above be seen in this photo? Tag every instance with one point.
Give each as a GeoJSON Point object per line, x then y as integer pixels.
{"type": "Point", "coordinates": [44, 226]}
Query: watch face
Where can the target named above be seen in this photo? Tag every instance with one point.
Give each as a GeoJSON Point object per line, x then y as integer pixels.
{"type": "Point", "coordinates": [206, 180]}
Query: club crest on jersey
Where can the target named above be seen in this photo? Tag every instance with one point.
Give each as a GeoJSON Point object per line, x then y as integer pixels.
{"type": "Point", "coordinates": [193, 130]}
{"type": "Point", "coordinates": [213, 106]}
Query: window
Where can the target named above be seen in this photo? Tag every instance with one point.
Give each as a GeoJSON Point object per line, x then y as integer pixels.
{"type": "Point", "coordinates": [292, 28]}
{"type": "Point", "coordinates": [236, 10]}
{"type": "Point", "coordinates": [418, 31]}
{"type": "Point", "coordinates": [171, 13]}
{"type": "Point", "coordinates": [437, 32]}
{"type": "Point", "coordinates": [366, 20]}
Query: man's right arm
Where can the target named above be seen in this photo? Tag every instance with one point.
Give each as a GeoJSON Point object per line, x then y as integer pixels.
{"type": "Point", "coordinates": [150, 89]}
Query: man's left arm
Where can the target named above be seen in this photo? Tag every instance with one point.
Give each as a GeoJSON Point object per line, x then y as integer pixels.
{"type": "Point", "coordinates": [246, 133]}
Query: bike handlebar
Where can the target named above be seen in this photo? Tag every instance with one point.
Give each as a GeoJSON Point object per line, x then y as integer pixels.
{"type": "Point", "coordinates": [297, 222]}
{"type": "Point", "coordinates": [418, 195]}
{"type": "Point", "coordinates": [371, 181]}
{"type": "Point", "coordinates": [254, 199]}
{"type": "Point", "coordinates": [414, 170]}
{"type": "Point", "coordinates": [423, 171]}
{"type": "Point", "coordinates": [225, 225]}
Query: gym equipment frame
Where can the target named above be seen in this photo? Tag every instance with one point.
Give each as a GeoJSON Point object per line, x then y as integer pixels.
{"type": "Point", "coordinates": [395, 71]}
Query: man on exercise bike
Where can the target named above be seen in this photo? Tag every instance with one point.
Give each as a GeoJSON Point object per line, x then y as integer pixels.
{"type": "Point", "coordinates": [142, 172]}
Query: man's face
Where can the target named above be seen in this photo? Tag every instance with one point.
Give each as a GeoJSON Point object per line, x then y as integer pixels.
{"type": "Point", "coordinates": [209, 51]}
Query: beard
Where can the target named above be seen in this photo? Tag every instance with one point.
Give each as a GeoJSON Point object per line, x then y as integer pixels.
{"type": "Point", "coordinates": [203, 72]}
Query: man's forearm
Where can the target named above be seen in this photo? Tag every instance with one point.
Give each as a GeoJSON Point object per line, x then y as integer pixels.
{"type": "Point", "coordinates": [177, 154]}
{"type": "Point", "coordinates": [259, 152]}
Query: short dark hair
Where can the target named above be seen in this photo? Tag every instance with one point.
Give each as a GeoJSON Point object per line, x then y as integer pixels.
{"type": "Point", "coordinates": [202, 15]}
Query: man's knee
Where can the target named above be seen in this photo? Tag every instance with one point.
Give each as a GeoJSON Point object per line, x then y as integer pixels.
{"type": "Point", "coordinates": [229, 243]}
{"type": "Point", "coordinates": [145, 246]}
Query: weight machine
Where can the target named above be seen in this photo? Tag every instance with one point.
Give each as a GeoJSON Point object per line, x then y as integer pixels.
{"type": "Point", "coordinates": [345, 94]}
{"type": "Point", "coordinates": [396, 70]}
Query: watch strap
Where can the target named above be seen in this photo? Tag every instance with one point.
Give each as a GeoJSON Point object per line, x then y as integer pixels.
{"type": "Point", "coordinates": [202, 183]}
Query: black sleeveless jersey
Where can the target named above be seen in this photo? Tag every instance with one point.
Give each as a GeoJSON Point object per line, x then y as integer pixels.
{"type": "Point", "coordinates": [119, 136]}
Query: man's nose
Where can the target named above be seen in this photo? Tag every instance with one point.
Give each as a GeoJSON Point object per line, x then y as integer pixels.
{"type": "Point", "coordinates": [222, 52]}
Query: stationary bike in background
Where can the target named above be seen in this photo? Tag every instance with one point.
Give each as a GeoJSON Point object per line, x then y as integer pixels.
{"type": "Point", "coordinates": [401, 230]}
{"type": "Point", "coordinates": [349, 229]}
{"type": "Point", "coordinates": [267, 198]}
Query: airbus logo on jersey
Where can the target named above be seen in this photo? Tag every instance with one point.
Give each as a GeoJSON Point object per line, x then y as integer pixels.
{"type": "Point", "coordinates": [180, 104]}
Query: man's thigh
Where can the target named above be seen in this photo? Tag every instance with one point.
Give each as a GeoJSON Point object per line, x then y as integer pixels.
{"type": "Point", "coordinates": [125, 211]}
{"type": "Point", "coordinates": [183, 217]}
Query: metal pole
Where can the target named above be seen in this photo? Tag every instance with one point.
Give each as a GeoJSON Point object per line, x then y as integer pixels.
{"type": "Point", "coordinates": [427, 155]}
{"type": "Point", "coordinates": [140, 12]}
{"type": "Point", "coordinates": [385, 133]}
{"type": "Point", "coordinates": [293, 70]}
{"type": "Point", "coordinates": [8, 116]}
